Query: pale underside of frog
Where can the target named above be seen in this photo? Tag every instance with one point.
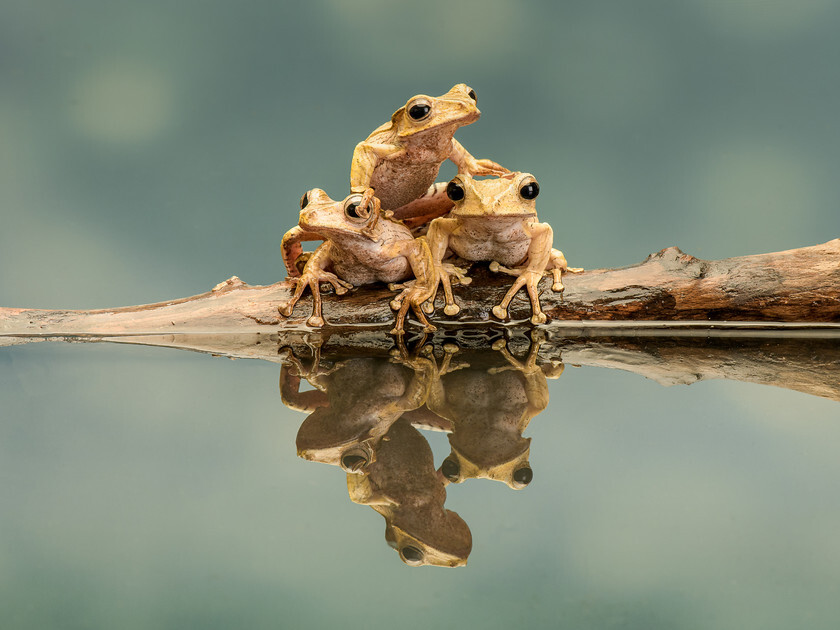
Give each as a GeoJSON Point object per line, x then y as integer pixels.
{"type": "Point", "coordinates": [399, 161]}
{"type": "Point", "coordinates": [495, 220]}
{"type": "Point", "coordinates": [361, 247]}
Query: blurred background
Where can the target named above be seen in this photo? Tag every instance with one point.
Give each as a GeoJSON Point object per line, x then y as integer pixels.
{"type": "Point", "coordinates": [151, 150]}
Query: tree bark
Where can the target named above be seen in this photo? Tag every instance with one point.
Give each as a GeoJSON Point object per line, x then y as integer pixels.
{"type": "Point", "coordinates": [799, 285]}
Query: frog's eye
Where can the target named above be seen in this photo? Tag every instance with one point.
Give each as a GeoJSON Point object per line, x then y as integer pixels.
{"type": "Point", "coordinates": [355, 460]}
{"type": "Point", "coordinates": [304, 201]}
{"type": "Point", "coordinates": [530, 190]}
{"type": "Point", "coordinates": [454, 190]}
{"type": "Point", "coordinates": [411, 555]}
{"type": "Point", "coordinates": [471, 94]}
{"type": "Point", "coordinates": [351, 208]}
{"type": "Point", "coordinates": [419, 110]}
{"type": "Point", "coordinates": [450, 469]}
{"type": "Point", "coordinates": [522, 476]}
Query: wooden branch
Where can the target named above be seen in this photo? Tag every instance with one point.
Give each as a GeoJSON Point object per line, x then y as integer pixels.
{"type": "Point", "coordinates": [799, 285]}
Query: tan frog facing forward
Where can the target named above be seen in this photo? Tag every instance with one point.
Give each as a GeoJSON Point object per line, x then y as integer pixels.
{"type": "Point", "coordinates": [361, 247]}
{"type": "Point", "coordinates": [496, 220]}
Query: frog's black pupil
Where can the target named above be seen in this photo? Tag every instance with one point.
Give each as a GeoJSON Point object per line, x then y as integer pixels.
{"type": "Point", "coordinates": [353, 462]}
{"type": "Point", "coordinates": [450, 469]}
{"type": "Point", "coordinates": [455, 191]}
{"type": "Point", "coordinates": [530, 191]}
{"type": "Point", "coordinates": [352, 210]}
{"type": "Point", "coordinates": [523, 476]}
{"type": "Point", "coordinates": [412, 555]}
{"type": "Point", "coordinates": [471, 94]}
{"type": "Point", "coordinates": [304, 201]}
{"type": "Point", "coordinates": [418, 112]}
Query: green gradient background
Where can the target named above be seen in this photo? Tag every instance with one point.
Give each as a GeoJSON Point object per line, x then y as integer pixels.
{"type": "Point", "coordinates": [150, 150]}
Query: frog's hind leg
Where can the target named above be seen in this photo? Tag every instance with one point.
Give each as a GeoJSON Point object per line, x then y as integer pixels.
{"type": "Point", "coordinates": [558, 266]}
{"type": "Point", "coordinates": [418, 213]}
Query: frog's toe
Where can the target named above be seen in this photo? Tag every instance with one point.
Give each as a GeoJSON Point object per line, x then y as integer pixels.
{"type": "Point", "coordinates": [465, 280]}
{"type": "Point", "coordinates": [315, 321]}
{"type": "Point", "coordinates": [451, 309]}
{"type": "Point", "coordinates": [499, 344]}
{"type": "Point", "coordinates": [539, 318]}
{"type": "Point", "coordinates": [285, 309]}
{"type": "Point", "coordinates": [495, 266]}
{"type": "Point", "coordinates": [428, 307]}
{"type": "Point", "coordinates": [397, 331]}
{"type": "Point", "coordinates": [395, 305]}
{"type": "Point", "coordinates": [558, 287]}
{"type": "Point", "coordinates": [429, 328]}
{"type": "Point", "coordinates": [340, 290]}
{"type": "Point", "coordinates": [499, 312]}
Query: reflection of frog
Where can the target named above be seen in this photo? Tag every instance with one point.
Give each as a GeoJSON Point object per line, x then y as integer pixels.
{"type": "Point", "coordinates": [489, 409]}
{"type": "Point", "coordinates": [360, 418]}
{"type": "Point", "coordinates": [353, 405]}
{"type": "Point", "coordinates": [400, 159]}
{"type": "Point", "coordinates": [361, 247]}
{"type": "Point", "coordinates": [496, 220]}
{"type": "Point", "coordinates": [403, 486]}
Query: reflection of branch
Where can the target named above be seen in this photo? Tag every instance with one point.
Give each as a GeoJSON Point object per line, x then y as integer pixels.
{"type": "Point", "coordinates": [809, 364]}
{"type": "Point", "coordinates": [795, 285]}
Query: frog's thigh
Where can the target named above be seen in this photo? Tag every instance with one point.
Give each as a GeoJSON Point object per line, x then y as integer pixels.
{"type": "Point", "coordinates": [434, 203]}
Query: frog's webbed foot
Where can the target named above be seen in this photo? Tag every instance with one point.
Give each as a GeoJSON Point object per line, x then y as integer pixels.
{"type": "Point", "coordinates": [448, 274]}
{"type": "Point", "coordinates": [530, 279]}
{"type": "Point", "coordinates": [313, 279]}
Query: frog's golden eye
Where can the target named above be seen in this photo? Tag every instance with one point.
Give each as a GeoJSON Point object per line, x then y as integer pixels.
{"type": "Point", "coordinates": [471, 94]}
{"type": "Point", "coordinates": [454, 190]}
{"type": "Point", "coordinates": [419, 110]}
{"type": "Point", "coordinates": [304, 201]}
{"type": "Point", "coordinates": [522, 476]}
{"type": "Point", "coordinates": [411, 555]}
{"type": "Point", "coordinates": [351, 208]}
{"type": "Point", "coordinates": [529, 190]}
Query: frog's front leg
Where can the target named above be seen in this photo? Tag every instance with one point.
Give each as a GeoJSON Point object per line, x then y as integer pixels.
{"type": "Point", "coordinates": [366, 157]}
{"type": "Point", "coordinates": [539, 253]}
{"type": "Point", "coordinates": [558, 266]}
{"type": "Point", "coordinates": [314, 273]}
{"type": "Point", "coordinates": [466, 163]}
{"type": "Point", "coordinates": [420, 289]}
{"type": "Point", "coordinates": [438, 238]}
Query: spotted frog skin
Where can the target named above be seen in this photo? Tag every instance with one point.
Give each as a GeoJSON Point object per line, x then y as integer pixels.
{"type": "Point", "coordinates": [496, 220]}
{"type": "Point", "coordinates": [361, 247]}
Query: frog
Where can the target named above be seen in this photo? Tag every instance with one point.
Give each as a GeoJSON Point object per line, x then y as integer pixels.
{"type": "Point", "coordinates": [399, 161]}
{"type": "Point", "coordinates": [495, 220]}
{"type": "Point", "coordinates": [363, 417]}
{"type": "Point", "coordinates": [361, 246]}
{"type": "Point", "coordinates": [490, 406]}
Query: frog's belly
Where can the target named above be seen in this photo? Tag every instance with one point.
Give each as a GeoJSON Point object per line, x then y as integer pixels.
{"type": "Point", "coordinates": [385, 270]}
{"type": "Point", "coordinates": [508, 252]}
{"type": "Point", "coordinates": [398, 183]}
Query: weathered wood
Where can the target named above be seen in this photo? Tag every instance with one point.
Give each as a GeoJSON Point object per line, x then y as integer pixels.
{"type": "Point", "coordinates": [799, 285]}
